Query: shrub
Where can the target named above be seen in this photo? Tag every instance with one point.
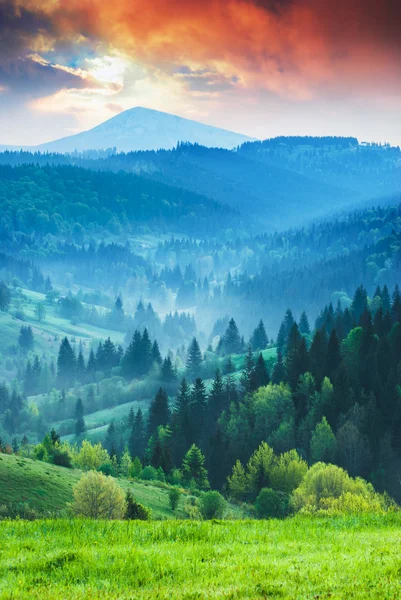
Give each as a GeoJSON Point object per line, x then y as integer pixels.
{"type": "Point", "coordinates": [212, 505]}
{"type": "Point", "coordinates": [106, 469]}
{"type": "Point", "coordinates": [174, 497]}
{"type": "Point", "coordinates": [329, 488]}
{"type": "Point", "coordinates": [149, 473]}
{"type": "Point", "coordinates": [191, 508]}
{"type": "Point", "coordinates": [271, 504]}
{"type": "Point", "coordinates": [40, 452]}
{"type": "Point", "coordinates": [288, 471]}
{"type": "Point", "coordinates": [91, 456]}
{"type": "Point", "coordinates": [135, 511]}
{"type": "Point", "coordinates": [61, 456]}
{"type": "Point", "coordinates": [97, 496]}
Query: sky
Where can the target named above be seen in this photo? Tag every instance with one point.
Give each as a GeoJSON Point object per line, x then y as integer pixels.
{"type": "Point", "coordinates": [258, 67]}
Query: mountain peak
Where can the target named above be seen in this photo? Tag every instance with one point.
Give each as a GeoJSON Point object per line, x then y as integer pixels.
{"type": "Point", "coordinates": [141, 128]}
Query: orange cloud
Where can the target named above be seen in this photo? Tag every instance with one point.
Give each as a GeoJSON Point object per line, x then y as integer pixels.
{"type": "Point", "coordinates": [295, 48]}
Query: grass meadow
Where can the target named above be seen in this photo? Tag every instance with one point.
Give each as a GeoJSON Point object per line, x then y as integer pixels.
{"type": "Point", "coordinates": [302, 558]}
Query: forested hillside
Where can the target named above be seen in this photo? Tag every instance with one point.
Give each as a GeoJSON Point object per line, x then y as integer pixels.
{"type": "Point", "coordinates": [62, 200]}
{"type": "Point", "coordinates": [277, 183]}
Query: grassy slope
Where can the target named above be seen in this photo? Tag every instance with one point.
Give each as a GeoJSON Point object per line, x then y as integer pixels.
{"type": "Point", "coordinates": [349, 557]}
{"type": "Point", "coordinates": [49, 488]}
{"type": "Point", "coordinates": [52, 325]}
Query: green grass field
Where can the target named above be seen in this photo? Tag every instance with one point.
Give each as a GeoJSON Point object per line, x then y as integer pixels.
{"type": "Point", "coordinates": [300, 558]}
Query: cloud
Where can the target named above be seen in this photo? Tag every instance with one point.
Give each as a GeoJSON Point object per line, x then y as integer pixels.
{"type": "Point", "coordinates": [297, 48]}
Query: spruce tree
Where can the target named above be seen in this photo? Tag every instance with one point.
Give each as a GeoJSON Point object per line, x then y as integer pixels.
{"type": "Point", "coordinates": [396, 305]}
{"type": "Point", "coordinates": [91, 366]}
{"type": "Point", "coordinates": [217, 399]}
{"type": "Point", "coordinates": [145, 356]}
{"type": "Point", "coordinates": [81, 371]}
{"type": "Point", "coordinates": [111, 440]}
{"type": "Point", "coordinates": [279, 372]}
{"type": "Point", "coordinates": [168, 372]}
{"type": "Point", "coordinates": [259, 339]}
{"type": "Point", "coordinates": [156, 356]}
{"type": "Point", "coordinates": [25, 340]}
{"type": "Point", "coordinates": [385, 297]}
{"type": "Point", "coordinates": [194, 360]}
{"type": "Point", "coordinates": [181, 423]}
{"type": "Point", "coordinates": [108, 356]}
{"type": "Point", "coordinates": [137, 437]}
{"type": "Point", "coordinates": [80, 426]}
{"type": "Point", "coordinates": [333, 357]}
{"type": "Point", "coordinates": [159, 412]}
{"type": "Point", "coordinates": [66, 363]}
{"type": "Point", "coordinates": [317, 356]}
{"type": "Point", "coordinates": [232, 339]}
{"type": "Point", "coordinates": [304, 327]}
{"type": "Point", "coordinates": [260, 375]}
{"type": "Point", "coordinates": [246, 376]}
{"type": "Point", "coordinates": [131, 417]}
{"type": "Point", "coordinates": [359, 303]}
{"type": "Point", "coordinates": [193, 468]}
{"type": "Point", "coordinates": [198, 409]}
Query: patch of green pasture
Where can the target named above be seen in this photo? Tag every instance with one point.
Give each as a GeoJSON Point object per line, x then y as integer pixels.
{"type": "Point", "coordinates": [300, 558]}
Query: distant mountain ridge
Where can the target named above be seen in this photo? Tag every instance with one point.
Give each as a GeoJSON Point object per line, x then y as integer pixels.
{"type": "Point", "coordinates": [142, 129]}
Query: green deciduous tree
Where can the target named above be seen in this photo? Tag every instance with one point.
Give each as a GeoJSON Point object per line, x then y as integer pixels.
{"type": "Point", "coordinates": [97, 496]}
{"type": "Point", "coordinates": [323, 445]}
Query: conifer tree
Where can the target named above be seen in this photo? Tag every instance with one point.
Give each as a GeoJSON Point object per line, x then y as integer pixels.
{"type": "Point", "coordinates": [66, 363]}
{"type": "Point", "coordinates": [145, 353]}
{"type": "Point", "coordinates": [281, 338]}
{"type": "Point", "coordinates": [91, 365]}
{"type": "Point", "coordinates": [217, 399]}
{"type": "Point", "coordinates": [168, 372]}
{"type": "Point", "coordinates": [260, 375]}
{"type": "Point", "coordinates": [108, 356]}
{"type": "Point", "coordinates": [25, 340]}
{"type": "Point", "coordinates": [156, 356]}
{"type": "Point", "coordinates": [194, 360]}
{"type": "Point", "coordinates": [396, 305]}
{"type": "Point", "coordinates": [29, 380]}
{"type": "Point", "coordinates": [131, 361]}
{"type": "Point", "coordinates": [81, 366]}
{"type": "Point", "coordinates": [137, 437]}
{"type": "Point", "coordinates": [359, 303]}
{"type": "Point", "coordinates": [246, 376]}
{"type": "Point", "coordinates": [259, 339]}
{"type": "Point", "coordinates": [232, 340]}
{"type": "Point", "coordinates": [385, 298]}
{"type": "Point", "coordinates": [333, 358]}
{"type": "Point", "coordinates": [80, 426]}
{"type": "Point", "coordinates": [317, 356]}
{"type": "Point", "coordinates": [279, 372]}
{"type": "Point", "coordinates": [131, 417]}
{"type": "Point", "coordinates": [304, 327]}
{"type": "Point", "coordinates": [159, 412]}
{"type": "Point", "coordinates": [111, 440]}
{"type": "Point", "coordinates": [238, 482]}
{"type": "Point", "coordinates": [198, 409]}
{"type": "Point", "coordinates": [193, 468]}
{"type": "Point", "coordinates": [117, 314]}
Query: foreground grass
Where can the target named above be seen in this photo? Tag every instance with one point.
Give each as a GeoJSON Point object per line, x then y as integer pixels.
{"type": "Point", "coordinates": [353, 557]}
